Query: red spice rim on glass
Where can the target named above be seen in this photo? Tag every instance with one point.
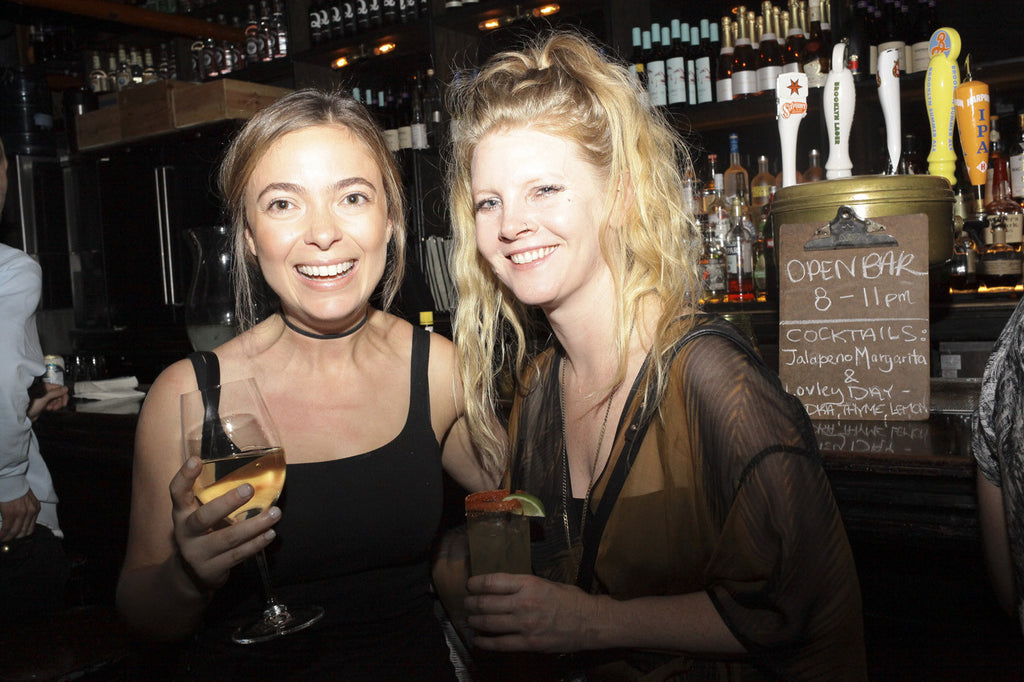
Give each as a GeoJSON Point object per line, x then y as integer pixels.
{"type": "Point", "coordinates": [491, 501]}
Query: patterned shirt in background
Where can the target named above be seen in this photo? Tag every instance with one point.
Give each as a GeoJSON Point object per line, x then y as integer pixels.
{"type": "Point", "coordinates": [998, 440]}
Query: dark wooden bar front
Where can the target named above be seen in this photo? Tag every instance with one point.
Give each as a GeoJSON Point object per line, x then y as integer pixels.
{"type": "Point", "coordinates": [905, 490]}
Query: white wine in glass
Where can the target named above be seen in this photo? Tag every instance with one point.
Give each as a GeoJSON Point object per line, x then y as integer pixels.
{"type": "Point", "coordinates": [229, 428]}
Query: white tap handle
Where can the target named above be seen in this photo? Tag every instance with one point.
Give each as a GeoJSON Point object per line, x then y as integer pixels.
{"type": "Point", "coordinates": [840, 97]}
{"type": "Point", "coordinates": [790, 109]}
{"type": "Point", "coordinates": [889, 97]}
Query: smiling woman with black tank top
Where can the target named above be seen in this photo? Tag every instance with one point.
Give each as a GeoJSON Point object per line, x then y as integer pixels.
{"type": "Point", "coordinates": [368, 407]}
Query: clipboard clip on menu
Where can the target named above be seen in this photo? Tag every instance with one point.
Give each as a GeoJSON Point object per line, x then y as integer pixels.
{"type": "Point", "coordinates": [849, 231]}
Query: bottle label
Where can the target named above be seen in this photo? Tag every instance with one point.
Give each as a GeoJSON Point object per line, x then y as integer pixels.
{"type": "Point", "coordinates": [815, 76]}
{"type": "Point", "coordinates": [920, 56]}
{"type": "Point", "coordinates": [724, 90]}
{"type": "Point", "coordinates": [714, 275]}
{"type": "Point", "coordinates": [1017, 175]}
{"type": "Point", "coordinates": [419, 136]}
{"type": "Point", "coordinates": [704, 94]}
{"type": "Point", "coordinates": [1002, 266]}
{"type": "Point", "coordinates": [766, 77]}
{"type": "Point", "coordinates": [691, 80]}
{"type": "Point", "coordinates": [405, 137]}
{"type": "Point", "coordinates": [676, 80]}
{"type": "Point", "coordinates": [744, 83]}
{"type": "Point", "coordinates": [657, 90]}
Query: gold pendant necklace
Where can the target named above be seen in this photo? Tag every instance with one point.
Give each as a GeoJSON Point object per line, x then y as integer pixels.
{"type": "Point", "coordinates": [565, 467]}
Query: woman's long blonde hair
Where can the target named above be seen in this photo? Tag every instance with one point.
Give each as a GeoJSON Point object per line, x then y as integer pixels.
{"type": "Point", "coordinates": [562, 85]}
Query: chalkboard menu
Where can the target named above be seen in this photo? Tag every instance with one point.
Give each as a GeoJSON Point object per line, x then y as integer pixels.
{"type": "Point", "coordinates": [853, 316]}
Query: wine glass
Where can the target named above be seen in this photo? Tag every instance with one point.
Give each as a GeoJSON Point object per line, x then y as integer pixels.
{"type": "Point", "coordinates": [229, 428]}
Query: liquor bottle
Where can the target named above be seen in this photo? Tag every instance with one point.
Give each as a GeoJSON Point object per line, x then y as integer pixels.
{"type": "Point", "coordinates": [675, 69]}
{"type": "Point", "coordinates": [403, 114]}
{"type": "Point", "coordinates": [739, 254]}
{"type": "Point", "coordinates": [330, 17]}
{"type": "Point", "coordinates": [408, 11]}
{"type": "Point", "coordinates": [385, 103]}
{"type": "Point", "coordinates": [389, 11]}
{"type": "Point", "coordinates": [1000, 262]}
{"type": "Point", "coordinates": [712, 262]}
{"type": "Point", "coordinates": [891, 36]}
{"type": "Point", "coordinates": [418, 119]}
{"type": "Point", "coordinates": [252, 31]}
{"type": "Point", "coordinates": [858, 45]}
{"type": "Point", "coordinates": [814, 172]}
{"type": "Point", "coordinates": [123, 71]}
{"type": "Point", "coordinates": [433, 108]}
{"type": "Point", "coordinates": [149, 72]}
{"type": "Point", "coordinates": [723, 71]}
{"type": "Point", "coordinates": [761, 254]}
{"type": "Point", "coordinates": [744, 65]}
{"type": "Point", "coordinates": [1002, 210]}
{"type": "Point", "coordinates": [691, 63]}
{"type": "Point", "coordinates": [376, 11]}
{"type": "Point", "coordinates": [770, 56]}
{"type": "Point", "coordinates": [657, 90]}
{"type": "Point", "coordinates": [911, 160]}
{"type": "Point", "coordinates": [735, 181]}
{"type": "Point", "coordinates": [715, 179]}
{"type": "Point", "coordinates": [816, 62]}
{"type": "Point", "coordinates": [280, 28]}
{"type": "Point", "coordinates": [363, 14]}
{"type": "Point", "coordinates": [636, 58]}
{"type": "Point", "coordinates": [1016, 163]}
{"type": "Point", "coordinates": [267, 34]}
{"type": "Point", "coordinates": [924, 25]}
{"type": "Point", "coordinates": [996, 151]}
{"type": "Point", "coordinates": [316, 28]}
{"type": "Point", "coordinates": [349, 19]}
{"type": "Point", "coordinates": [705, 58]}
{"type": "Point", "coordinates": [761, 185]}
{"type": "Point", "coordinates": [963, 273]}
{"type": "Point", "coordinates": [796, 43]}
{"type": "Point", "coordinates": [98, 80]}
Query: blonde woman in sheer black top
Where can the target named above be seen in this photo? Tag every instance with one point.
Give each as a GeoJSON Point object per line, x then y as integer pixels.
{"type": "Point", "coordinates": [691, 532]}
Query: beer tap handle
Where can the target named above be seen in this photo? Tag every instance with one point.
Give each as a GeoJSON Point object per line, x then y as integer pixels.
{"type": "Point", "coordinates": [840, 100]}
{"type": "Point", "coordinates": [942, 78]}
{"type": "Point", "coordinates": [889, 97]}
{"type": "Point", "coordinates": [973, 107]}
{"type": "Point", "coordinates": [790, 110]}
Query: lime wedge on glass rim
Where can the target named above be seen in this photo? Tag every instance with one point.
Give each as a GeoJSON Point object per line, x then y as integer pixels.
{"type": "Point", "coordinates": [529, 505]}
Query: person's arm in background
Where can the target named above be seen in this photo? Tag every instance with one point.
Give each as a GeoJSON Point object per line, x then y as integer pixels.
{"type": "Point", "coordinates": [996, 542]}
{"type": "Point", "coordinates": [20, 289]}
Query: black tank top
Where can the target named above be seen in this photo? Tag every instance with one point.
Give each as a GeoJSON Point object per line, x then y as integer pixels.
{"type": "Point", "coordinates": [355, 537]}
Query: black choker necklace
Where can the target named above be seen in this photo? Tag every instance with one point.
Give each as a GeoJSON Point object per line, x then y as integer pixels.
{"type": "Point", "coordinates": [326, 337]}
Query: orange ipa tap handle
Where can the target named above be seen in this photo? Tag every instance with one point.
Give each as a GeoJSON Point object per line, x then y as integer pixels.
{"type": "Point", "coordinates": [972, 103]}
{"type": "Point", "coordinates": [942, 78]}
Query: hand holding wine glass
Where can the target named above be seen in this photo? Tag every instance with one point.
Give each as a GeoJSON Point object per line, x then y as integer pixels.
{"type": "Point", "coordinates": [230, 430]}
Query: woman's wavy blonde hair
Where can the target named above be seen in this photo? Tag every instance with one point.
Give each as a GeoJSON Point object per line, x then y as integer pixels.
{"type": "Point", "coordinates": [561, 84]}
{"type": "Point", "coordinates": [296, 111]}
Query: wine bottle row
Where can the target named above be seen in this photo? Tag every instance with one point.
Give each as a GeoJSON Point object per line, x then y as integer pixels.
{"type": "Point", "coordinates": [331, 20]}
{"type": "Point", "coordinates": [740, 56]}
{"type": "Point", "coordinates": [409, 112]}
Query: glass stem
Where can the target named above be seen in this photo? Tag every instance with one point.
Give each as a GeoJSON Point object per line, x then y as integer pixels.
{"type": "Point", "coordinates": [268, 591]}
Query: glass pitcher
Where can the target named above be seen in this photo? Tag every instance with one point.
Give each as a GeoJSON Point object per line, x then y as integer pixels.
{"type": "Point", "coordinates": [210, 307]}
